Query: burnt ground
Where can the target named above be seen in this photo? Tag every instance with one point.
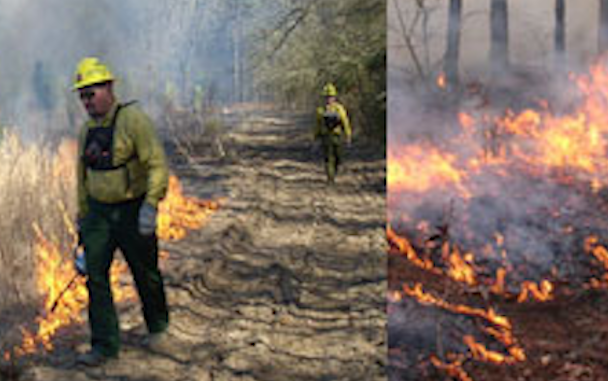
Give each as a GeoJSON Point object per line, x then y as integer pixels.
{"type": "Point", "coordinates": [285, 282]}
{"type": "Point", "coordinates": [565, 339]}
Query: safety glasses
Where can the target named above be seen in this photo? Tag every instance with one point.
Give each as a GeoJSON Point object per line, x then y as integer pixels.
{"type": "Point", "coordinates": [87, 94]}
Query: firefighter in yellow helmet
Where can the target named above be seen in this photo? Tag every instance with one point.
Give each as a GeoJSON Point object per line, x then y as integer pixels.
{"type": "Point", "coordinates": [332, 128]}
{"type": "Point", "coordinates": [122, 175]}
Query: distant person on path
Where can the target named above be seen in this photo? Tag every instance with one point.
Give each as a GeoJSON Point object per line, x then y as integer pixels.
{"type": "Point", "coordinates": [332, 128]}
{"type": "Point", "coordinates": [122, 176]}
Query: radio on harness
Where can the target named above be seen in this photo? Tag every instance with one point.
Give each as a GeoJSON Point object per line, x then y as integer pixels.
{"type": "Point", "coordinates": [98, 149]}
{"type": "Point", "coordinates": [331, 120]}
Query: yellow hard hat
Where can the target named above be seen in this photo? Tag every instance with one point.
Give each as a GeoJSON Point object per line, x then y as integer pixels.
{"type": "Point", "coordinates": [91, 72]}
{"type": "Point", "coordinates": [329, 90]}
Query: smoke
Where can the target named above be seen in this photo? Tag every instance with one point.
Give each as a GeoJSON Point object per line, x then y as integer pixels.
{"type": "Point", "coordinates": [514, 214]}
{"type": "Point", "coordinates": [528, 218]}
{"type": "Point", "coordinates": [153, 47]}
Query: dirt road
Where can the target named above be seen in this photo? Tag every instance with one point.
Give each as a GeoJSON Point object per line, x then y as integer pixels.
{"type": "Point", "coordinates": [286, 281]}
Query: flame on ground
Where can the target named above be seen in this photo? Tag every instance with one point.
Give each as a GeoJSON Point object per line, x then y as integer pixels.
{"type": "Point", "coordinates": [426, 298]}
{"type": "Point", "coordinates": [540, 292]}
{"type": "Point", "coordinates": [461, 268]}
{"type": "Point", "coordinates": [178, 213]}
{"type": "Point", "coordinates": [54, 268]}
{"type": "Point", "coordinates": [453, 369]}
{"type": "Point", "coordinates": [404, 246]}
{"type": "Point", "coordinates": [500, 331]}
{"type": "Point", "coordinates": [563, 150]}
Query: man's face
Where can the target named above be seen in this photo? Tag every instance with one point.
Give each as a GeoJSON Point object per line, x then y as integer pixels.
{"type": "Point", "coordinates": [330, 99]}
{"type": "Point", "coordinates": [97, 99]}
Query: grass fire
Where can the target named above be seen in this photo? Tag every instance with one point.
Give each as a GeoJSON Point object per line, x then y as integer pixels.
{"type": "Point", "coordinates": [63, 294]}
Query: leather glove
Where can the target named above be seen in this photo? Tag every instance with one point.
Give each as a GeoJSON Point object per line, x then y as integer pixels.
{"type": "Point", "coordinates": [147, 219]}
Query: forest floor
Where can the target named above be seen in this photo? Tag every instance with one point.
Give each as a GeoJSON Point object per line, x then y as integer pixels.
{"type": "Point", "coordinates": [564, 339]}
{"type": "Point", "coordinates": [286, 281]}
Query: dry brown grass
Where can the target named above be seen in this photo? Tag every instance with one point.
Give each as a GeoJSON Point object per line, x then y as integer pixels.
{"type": "Point", "coordinates": [36, 183]}
{"type": "Point", "coordinates": [194, 134]}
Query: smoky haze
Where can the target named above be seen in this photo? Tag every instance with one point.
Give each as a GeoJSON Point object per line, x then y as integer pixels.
{"type": "Point", "coordinates": [530, 35]}
{"type": "Point", "coordinates": [532, 211]}
{"type": "Point", "coordinates": [153, 47]}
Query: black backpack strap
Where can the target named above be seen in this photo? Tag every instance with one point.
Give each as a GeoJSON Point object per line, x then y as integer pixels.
{"type": "Point", "coordinates": [100, 158]}
{"type": "Point", "coordinates": [118, 108]}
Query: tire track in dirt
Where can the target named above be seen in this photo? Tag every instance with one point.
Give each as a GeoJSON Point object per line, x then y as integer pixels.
{"type": "Point", "coordinates": [287, 280]}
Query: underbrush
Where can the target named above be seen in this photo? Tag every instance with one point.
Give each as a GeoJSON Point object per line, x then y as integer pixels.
{"type": "Point", "coordinates": [37, 188]}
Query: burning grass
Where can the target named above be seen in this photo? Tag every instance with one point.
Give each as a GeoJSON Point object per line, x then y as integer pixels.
{"type": "Point", "coordinates": [38, 198]}
{"type": "Point", "coordinates": [512, 205]}
{"type": "Point", "coordinates": [32, 187]}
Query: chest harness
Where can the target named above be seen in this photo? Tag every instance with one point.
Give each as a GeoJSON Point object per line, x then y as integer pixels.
{"type": "Point", "coordinates": [331, 120]}
{"type": "Point", "coordinates": [98, 152]}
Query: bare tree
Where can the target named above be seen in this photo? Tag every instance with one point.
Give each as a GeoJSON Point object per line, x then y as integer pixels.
{"type": "Point", "coordinates": [603, 30]}
{"type": "Point", "coordinates": [236, 51]}
{"type": "Point", "coordinates": [499, 25]}
{"type": "Point", "coordinates": [452, 53]}
{"type": "Point", "coordinates": [560, 31]}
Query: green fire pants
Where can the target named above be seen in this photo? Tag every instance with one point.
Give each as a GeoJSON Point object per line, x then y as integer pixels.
{"type": "Point", "coordinates": [106, 228]}
{"type": "Point", "coordinates": [332, 147]}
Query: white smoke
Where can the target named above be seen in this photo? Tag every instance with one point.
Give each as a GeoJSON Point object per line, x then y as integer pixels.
{"type": "Point", "coordinates": [151, 46]}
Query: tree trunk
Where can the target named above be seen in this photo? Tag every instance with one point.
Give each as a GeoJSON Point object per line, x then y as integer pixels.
{"type": "Point", "coordinates": [453, 47]}
{"type": "Point", "coordinates": [499, 51]}
{"type": "Point", "coordinates": [560, 31]}
{"type": "Point", "coordinates": [603, 29]}
{"type": "Point", "coordinates": [236, 45]}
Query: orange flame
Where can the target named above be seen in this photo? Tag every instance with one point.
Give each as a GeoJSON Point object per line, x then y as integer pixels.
{"type": "Point", "coordinates": [441, 81]}
{"type": "Point", "coordinates": [404, 170]}
{"type": "Point", "coordinates": [53, 274]}
{"type": "Point", "coordinates": [576, 141]}
{"type": "Point", "coordinates": [54, 269]}
{"type": "Point", "coordinates": [502, 333]}
{"type": "Point", "coordinates": [178, 213]}
{"type": "Point", "coordinates": [461, 269]}
{"type": "Point", "coordinates": [480, 352]}
{"type": "Point", "coordinates": [452, 369]}
{"type": "Point", "coordinates": [600, 252]}
{"type": "Point", "coordinates": [505, 337]}
{"type": "Point", "coordinates": [541, 293]}
{"type": "Point", "coordinates": [404, 246]}
{"type": "Point", "coordinates": [499, 285]}
{"type": "Point", "coordinates": [566, 147]}
{"type": "Point", "coordinates": [426, 298]}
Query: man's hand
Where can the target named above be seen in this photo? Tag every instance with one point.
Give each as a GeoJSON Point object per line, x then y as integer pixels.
{"type": "Point", "coordinates": [147, 219]}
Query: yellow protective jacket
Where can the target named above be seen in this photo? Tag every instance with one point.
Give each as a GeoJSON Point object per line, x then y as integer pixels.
{"type": "Point", "coordinates": [321, 128]}
{"type": "Point", "coordinates": [137, 154]}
